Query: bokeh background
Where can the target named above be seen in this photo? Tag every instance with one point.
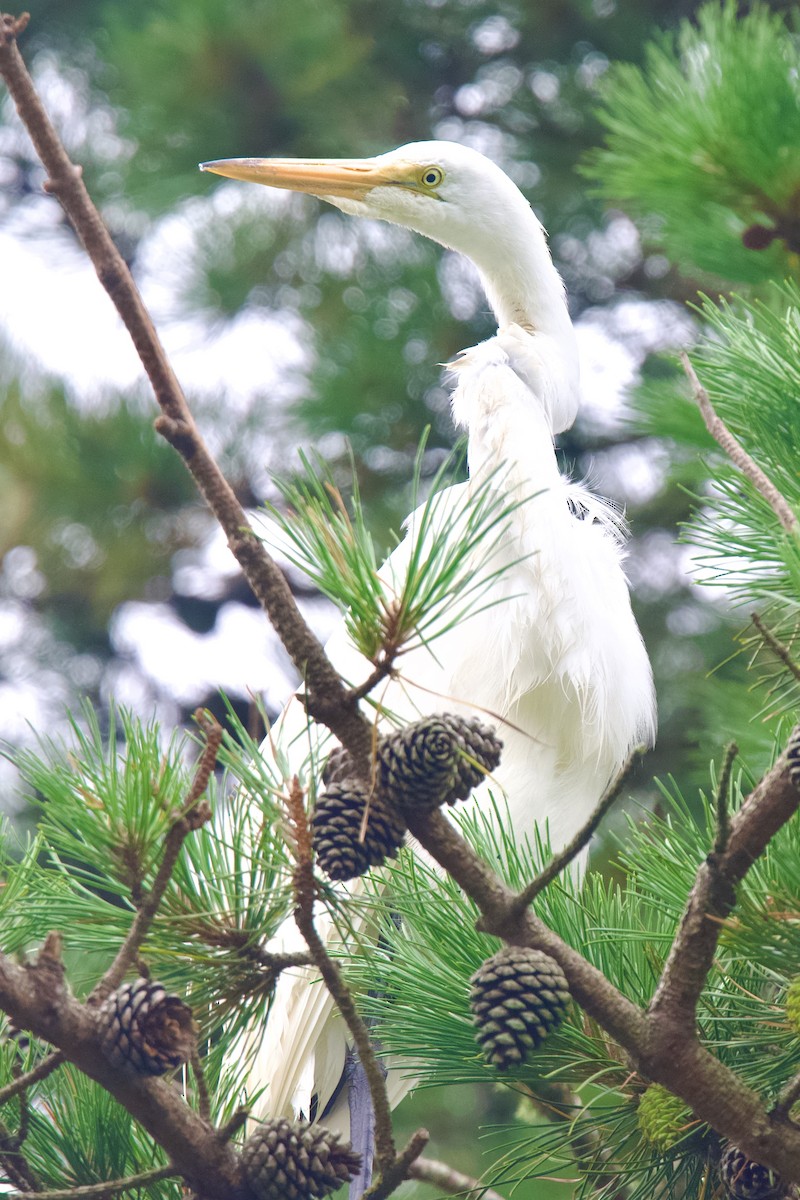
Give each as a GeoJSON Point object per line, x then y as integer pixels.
{"type": "Point", "coordinates": [293, 327]}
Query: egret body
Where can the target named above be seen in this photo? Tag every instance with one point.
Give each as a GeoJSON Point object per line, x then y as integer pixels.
{"type": "Point", "coordinates": [560, 659]}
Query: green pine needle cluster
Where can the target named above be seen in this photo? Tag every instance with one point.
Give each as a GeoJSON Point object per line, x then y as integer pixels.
{"type": "Point", "coordinates": [107, 803]}
{"type": "Point", "coordinates": [431, 584]}
{"type": "Point", "coordinates": [709, 125]}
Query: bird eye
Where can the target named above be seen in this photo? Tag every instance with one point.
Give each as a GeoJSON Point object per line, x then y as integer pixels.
{"type": "Point", "coordinates": [432, 177]}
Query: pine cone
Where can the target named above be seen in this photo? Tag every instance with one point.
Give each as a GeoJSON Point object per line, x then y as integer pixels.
{"type": "Point", "coordinates": [417, 765]}
{"type": "Point", "coordinates": [518, 996]}
{"type": "Point", "coordinates": [293, 1160]}
{"type": "Point", "coordinates": [748, 1180]}
{"type": "Point", "coordinates": [143, 1027]}
{"type": "Point", "coordinates": [662, 1117]}
{"type": "Point", "coordinates": [479, 750]}
{"type": "Point", "coordinates": [338, 766]}
{"type": "Point", "coordinates": [793, 1004]}
{"type": "Point", "coordinates": [336, 825]}
{"type": "Point", "coordinates": [793, 755]}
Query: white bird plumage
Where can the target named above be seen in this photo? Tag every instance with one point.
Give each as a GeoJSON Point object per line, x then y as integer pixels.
{"type": "Point", "coordinates": [560, 658]}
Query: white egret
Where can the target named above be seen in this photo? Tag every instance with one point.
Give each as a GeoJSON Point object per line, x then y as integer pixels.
{"type": "Point", "coordinates": [561, 659]}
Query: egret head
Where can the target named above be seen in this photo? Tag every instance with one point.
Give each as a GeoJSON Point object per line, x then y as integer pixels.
{"type": "Point", "coordinates": [448, 192]}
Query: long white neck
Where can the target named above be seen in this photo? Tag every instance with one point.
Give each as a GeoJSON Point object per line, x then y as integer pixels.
{"type": "Point", "coordinates": [528, 298]}
{"type": "Point", "coordinates": [521, 283]}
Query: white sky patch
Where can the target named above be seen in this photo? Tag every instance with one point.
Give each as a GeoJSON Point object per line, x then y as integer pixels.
{"type": "Point", "coordinates": [240, 654]}
{"type": "Point", "coordinates": [46, 284]}
{"type": "Point", "coordinates": [614, 342]}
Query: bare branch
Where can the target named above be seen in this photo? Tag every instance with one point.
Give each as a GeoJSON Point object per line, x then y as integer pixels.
{"type": "Point", "coordinates": [15, 1164]}
{"type": "Point", "coordinates": [582, 838]}
{"type": "Point", "coordinates": [201, 1086]}
{"type": "Point", "coordinates": [399, 1170]}
{"type": "Point", "coordinates": [448, 1179]}
{"type": "Point", "coordinates": [778, 648]}
{"type": "Point", "coordinates": [98, 1191]}
{"type": "Point", "coordinates": [788, 1097]}
{"type": "Point", "coordinates": [721, 800]}
{"type": "Point", "coordinates": [192, 817]}
{"type": "Point", "coordinates": [229, 1130]}
{"type": "Point", "coordinates": [763, 813]}
{"type": "Point", "coordinates": [737, 453]}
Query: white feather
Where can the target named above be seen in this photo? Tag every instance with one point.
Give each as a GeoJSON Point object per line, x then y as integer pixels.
{"type": "Point", "coordinates": [557, 657]}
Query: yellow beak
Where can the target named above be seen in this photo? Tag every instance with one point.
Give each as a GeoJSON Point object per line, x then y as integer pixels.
{"type": "Point", "coordinates": [349, 177]}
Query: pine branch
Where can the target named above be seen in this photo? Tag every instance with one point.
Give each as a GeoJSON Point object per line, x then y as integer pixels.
{"type": "Point", "coordinates": [192, 817]}
{"type": "Point", "coordinates": [36, 998]}
{"type": "Point", "coordinates": [788, 1097]}
{"type": "Point", "coordinates": [441, 1175]}
{"type": "Point", "coordinates": [201, 1085]}
{"type": "Point", "coordinates": [737, 453]}
{"type": "Point", "coordinates": [773, 802]}
{"type": "Point", "coordinates": [582, 838]}
{"type": "Point", "coordinates": [661, 1043]}
{"type": "Point", "coordinates": [98, 1191]}
{"type": "Point", "coordinates": [328, 700]}
{"type": "Point", "coordinates": [15, 1164]}
{"type": "Point", "coordinates": [305, 892]}
{"type": "Point", "coordinates": [226, 1132]}
{"type": "Point", "coordinates": [398, 1171]}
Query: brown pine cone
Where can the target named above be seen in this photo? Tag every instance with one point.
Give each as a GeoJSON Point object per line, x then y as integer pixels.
{"type": "Point", "coordinates": [336, 826]}
{"type": "Point", "coordinates": [141, 1026]}
{"type": "Point", "coordinates": [293, 1160]}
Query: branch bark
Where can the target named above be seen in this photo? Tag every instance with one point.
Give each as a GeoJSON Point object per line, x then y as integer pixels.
{"type": "Point", "coordinates": [448, 1179]}
{"type": "Point", "coordinates": [662, 1042]}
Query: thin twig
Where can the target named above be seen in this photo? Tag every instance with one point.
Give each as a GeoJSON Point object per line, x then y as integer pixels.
{"type": "Point", "coordinates": [448, 1179]}
{"type": "Point", "coordinates": [764, 812]}
{"type": "Point", "coordinates": [328, 700]}
{"type": "Point", "coordinates": [787, 1097]}
{"type": "Point", "coordinates": [97, 1191]}
{"type": "Point", "coordinates": [231, 1127]}
{"type": "Point", "coordinates": [15, 1164]}
{"type": "Point", "coordinates": [40, 1071]}
{"type": "Point", "coordinates": [399, 1170]}
{"type": "Point", "coordinates": [721, 800]}
{"type": "Point", "coordinates": [305, 891]}
{"type": "Point", "coordinates": [201, 1085]}
{"type": "Point", "coordinates": [778, 648]}
{"type": "Point", "coordinates": [192, 816]}
{"type": "Point", "coordinates": [737, 453]}
{"type": "Point", "coordinates": [582, 838]}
